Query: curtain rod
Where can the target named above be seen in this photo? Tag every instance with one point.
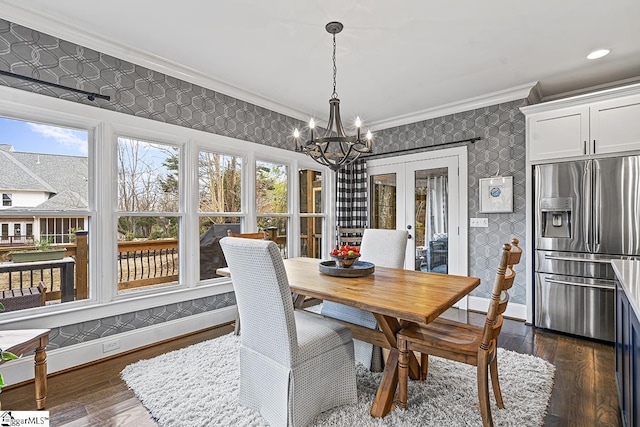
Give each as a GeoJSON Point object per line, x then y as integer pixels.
{"type": "Point", "coordinates": [90, 95]}
{"type": "Point", "coordinates": [406, 150]}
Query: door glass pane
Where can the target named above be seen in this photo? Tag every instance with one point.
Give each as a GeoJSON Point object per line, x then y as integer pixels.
{"type": "Point", "coordinates": [431, 214]}
{"type": "Point", "coordinates": [311, 237]}
{"type": "Point", "coordinates": [383, 193]}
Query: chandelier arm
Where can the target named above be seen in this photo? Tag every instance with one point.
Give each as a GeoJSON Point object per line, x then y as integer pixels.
{"type": "Point", "coordinates": [332, 119]}
{"type": "Point", "coordinates": [335, 106]}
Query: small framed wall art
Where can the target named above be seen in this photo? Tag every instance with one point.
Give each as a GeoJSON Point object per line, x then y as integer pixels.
{"type": "Point", "coordinates": [496, 194]}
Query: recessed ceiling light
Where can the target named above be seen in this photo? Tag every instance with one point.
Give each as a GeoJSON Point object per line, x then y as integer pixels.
{"type": "Point", "coordinates": [598, 53]}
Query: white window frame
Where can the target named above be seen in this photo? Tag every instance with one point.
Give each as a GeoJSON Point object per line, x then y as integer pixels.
{"type": "Point", "coordinates": [102, 126]}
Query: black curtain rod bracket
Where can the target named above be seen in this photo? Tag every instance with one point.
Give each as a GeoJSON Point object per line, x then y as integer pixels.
{"type": "Point", "coordinates": [407, 150]}
{"type": "Point", "coordinates": [91, 96]}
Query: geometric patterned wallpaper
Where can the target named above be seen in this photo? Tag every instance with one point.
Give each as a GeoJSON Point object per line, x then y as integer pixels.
{"type": "Point", "coordinates": [99, 328]}
{"type": "Point", "coordinates": [146, 93]}
{"type": "Point", "coordinates": [134, 90]}
{"type": "Point", "coordinates": [500, 151]}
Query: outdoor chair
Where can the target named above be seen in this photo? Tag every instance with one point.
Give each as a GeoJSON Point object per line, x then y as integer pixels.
{"type": "Point", "coordinates": [22, 298]}
{"type": "Point", "coordinates": [293, 364]}
{"type": "Point", "coordinates": [464, 343]}
{"type": "Point", "coordinates": [384, 248]}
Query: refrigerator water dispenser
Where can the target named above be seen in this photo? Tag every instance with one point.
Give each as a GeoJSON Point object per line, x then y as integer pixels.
{"type": "Point", "coordinates": [556, 217]}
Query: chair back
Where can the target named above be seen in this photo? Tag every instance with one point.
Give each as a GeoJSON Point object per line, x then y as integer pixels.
{"type": "Point", "coordinates": [350, 236]}
{"type": "Point", "coordinates": [263, 297]}
{"type": "Point", "coordinates": [505, 276]}
{"type": "Point", "coordinates": [259, 235]}
{"type": "Point", "coordinates": [385, 248]}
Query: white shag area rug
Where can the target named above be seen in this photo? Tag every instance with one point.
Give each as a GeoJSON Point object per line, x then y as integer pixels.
{"type": "Point", "coordinates": [198, 386]}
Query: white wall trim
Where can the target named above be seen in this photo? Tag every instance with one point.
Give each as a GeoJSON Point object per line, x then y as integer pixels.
{"type": "Point", "coordinates": [22, 14]}
{"type": "Point", "coordinates": [514, 311]}
{"type": "Point", "coordinates": [75, 355]}
{"type": "Point", "coordinates": [494, 98]}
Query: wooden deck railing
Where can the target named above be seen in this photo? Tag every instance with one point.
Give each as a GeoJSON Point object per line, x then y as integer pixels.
{"type": "Point", "coordinates": [140, 264]}
{"type": "Point", "coordinates": [146, 263]}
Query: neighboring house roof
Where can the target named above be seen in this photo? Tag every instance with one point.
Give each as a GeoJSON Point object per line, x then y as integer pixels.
{"type": "Point", "coordinates": [65, 178]}
{"type": "Point", "coordinates": [67, 200]}
{"type": "Point", "coordinates": [17, 177]}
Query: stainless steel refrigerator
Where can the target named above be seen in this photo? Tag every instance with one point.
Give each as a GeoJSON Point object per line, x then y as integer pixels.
{"type": "Point", "coordinates": [586, 214]}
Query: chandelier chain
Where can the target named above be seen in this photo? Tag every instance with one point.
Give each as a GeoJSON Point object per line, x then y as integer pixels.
{"type": "Point", "coordinates": [335, 68]}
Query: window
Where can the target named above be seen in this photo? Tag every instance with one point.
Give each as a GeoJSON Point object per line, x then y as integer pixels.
{"type": "Point", "coordinates": [271, 202]}
{"type": "Point", "coordinates": [219, 205]}
{"type": "Point", "coordinates": [45, 168]}
{"type": "Point", "coordinates": [59, 230]}
{"type": "Point", "coordinates": [150, 178]}
{"type": "Point", "coordinates": [149, 220]}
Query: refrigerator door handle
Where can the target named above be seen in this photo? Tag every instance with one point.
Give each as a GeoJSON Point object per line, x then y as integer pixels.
{"type": "Point", "coordinates": [596, 210]}
{"type": "Point", "coordinates": [587, 182]}
{"type": "Point", "coordinates": [566, 258]}
{"type": "Point", "coordinates": [585, 285]}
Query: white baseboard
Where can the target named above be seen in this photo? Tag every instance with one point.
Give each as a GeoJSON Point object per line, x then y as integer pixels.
{"type": "Point", "coordinates": [75, 355]}
{"type": "Point", "coordinates": [514, 311]}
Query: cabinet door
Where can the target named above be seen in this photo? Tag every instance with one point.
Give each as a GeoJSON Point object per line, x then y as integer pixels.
{"type": "Point", "coordinates": [558, 134]}
{"type": "Point", "coordinates": [615, 125]}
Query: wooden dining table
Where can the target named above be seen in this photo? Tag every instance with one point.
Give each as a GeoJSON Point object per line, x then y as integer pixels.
{"type": "Point", "coordinates": [396, 297]}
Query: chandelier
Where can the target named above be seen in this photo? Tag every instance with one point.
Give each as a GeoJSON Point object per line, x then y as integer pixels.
{"type": "Point", "coordinates": [335, 149]}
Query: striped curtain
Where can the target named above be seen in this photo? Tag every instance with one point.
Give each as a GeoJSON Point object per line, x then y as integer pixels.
{"type": "Point", "coordinates": [351, 199]}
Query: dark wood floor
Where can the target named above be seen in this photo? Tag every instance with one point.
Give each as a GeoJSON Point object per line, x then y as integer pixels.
{"type": "Point", "coordinates": [584, 392]}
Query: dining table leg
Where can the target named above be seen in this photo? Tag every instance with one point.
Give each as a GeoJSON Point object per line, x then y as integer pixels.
{"type": "Point", "coordinates": [383, 402]}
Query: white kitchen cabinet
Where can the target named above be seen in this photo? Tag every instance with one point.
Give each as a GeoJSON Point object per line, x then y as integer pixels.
{"type": "Point", "coordinates": [584, 126]}
{"type": "Point", "coordinates": [558, 134]}
{"type": "Point", "coordinates": [615, 125]}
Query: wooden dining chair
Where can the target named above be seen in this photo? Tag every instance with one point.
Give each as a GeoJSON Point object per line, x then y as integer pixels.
{"type": "Point", "coordinates": [464, 343]}
{"type": "Point", "coordinates": [350, 236]}
{"type": "Point", "coordinates": [259, 235]}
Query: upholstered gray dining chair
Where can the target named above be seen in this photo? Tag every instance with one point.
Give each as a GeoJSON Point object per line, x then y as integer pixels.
{"type": "Point", "coordinates": [293, 365]}
{"type": "Point", "coordinates": [384, 248]}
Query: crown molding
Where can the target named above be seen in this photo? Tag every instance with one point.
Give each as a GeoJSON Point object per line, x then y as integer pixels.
{"type": "Point", "coordinates": [586, 98]}
{"type": "Point", "coordinates": [19, 13]}
{"type": "Point", "coordinates": [506, 95]}
{"type": "Point", "coordinates": [587, 90]}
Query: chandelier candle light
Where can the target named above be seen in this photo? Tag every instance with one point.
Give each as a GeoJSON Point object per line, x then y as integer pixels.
{"type": "Point", "coordinates": [335, 149]}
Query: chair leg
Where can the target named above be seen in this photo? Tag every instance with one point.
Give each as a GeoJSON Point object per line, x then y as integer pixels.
{"type": "Point", "coordinates": [495, 383]}
{"type": "Point", "coordinates": [483, 390]}
{"type": "Point", "coordinates": [424, 366]}
{"type": "Point", "coordinates": [403, 373]}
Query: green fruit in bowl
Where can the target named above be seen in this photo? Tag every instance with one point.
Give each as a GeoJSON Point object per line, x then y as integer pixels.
{"type": "Point", "coordinates": [351, 253]}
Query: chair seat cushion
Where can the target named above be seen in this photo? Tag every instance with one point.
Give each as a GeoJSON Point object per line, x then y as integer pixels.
{"type": "Point", "coordinates": [444, 334]}
{"type": "Point", "coordinates": [317, 335]}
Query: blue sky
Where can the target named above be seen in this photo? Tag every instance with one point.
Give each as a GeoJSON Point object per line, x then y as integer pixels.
{"type": "Point", "coordinates": [38, 138]}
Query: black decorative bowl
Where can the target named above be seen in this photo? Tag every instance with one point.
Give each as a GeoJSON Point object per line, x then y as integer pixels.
{"type": "Point", "coordinates": [345, 261]}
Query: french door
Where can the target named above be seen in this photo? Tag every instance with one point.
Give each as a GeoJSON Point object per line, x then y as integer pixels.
{"type": "Point", "coordinates": [426, 194]}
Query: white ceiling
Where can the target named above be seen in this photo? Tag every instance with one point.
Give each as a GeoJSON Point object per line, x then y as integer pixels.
{"type": "Point", "coordinates": [395, 58]}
